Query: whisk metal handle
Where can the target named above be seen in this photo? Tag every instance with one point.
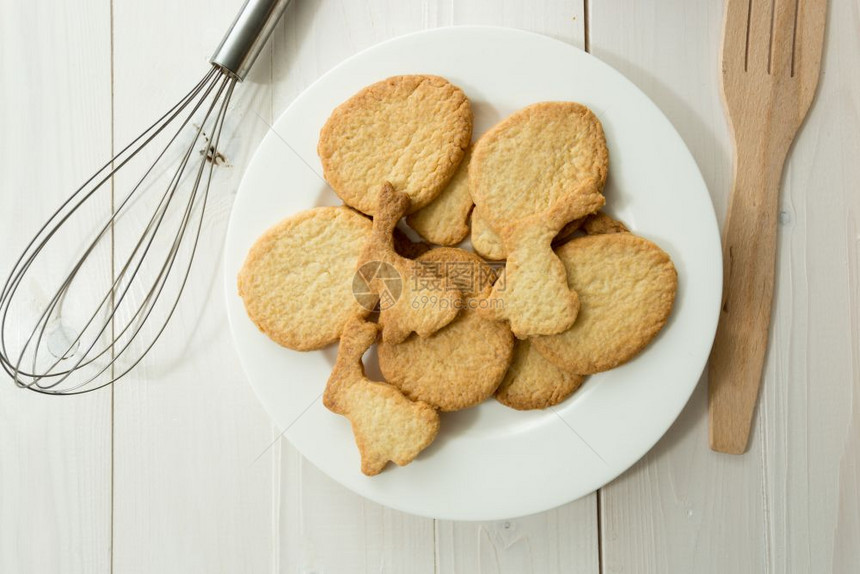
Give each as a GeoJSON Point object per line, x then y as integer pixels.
{"type": "Point", "coordinates": [246, 37]}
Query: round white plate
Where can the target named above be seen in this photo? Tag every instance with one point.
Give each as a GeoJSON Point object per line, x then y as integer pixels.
{"type": "Point", "coordinates": [491, 462]}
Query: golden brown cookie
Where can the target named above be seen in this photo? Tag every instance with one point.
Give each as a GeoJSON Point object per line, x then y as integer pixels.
{"type": "Point", "coordinates": [535, 297]}
{"type": "Point", "coordinates": [461, 364]}
{"type": "Point", "coordinates": [387, 425]}
{"type": "Point", "coordinates": [626, 286]}
{"type": "Point", "coordinates": [445, 220]}
{"type": "Point", "coordinates": [411, 131]}
{"type": "Point", "coordinates": [533, 161]}
{"type": "Point", "coordinates": [385, 277]}
{"type": "Point", "coordinates": [296, 281]}
{"type": "Point", "coordinates": [532, 382]}
{"type": "Point", "coordinates": [533, 173]}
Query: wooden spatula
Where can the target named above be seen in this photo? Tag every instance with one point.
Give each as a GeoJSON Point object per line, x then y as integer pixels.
{"type": "Point", "coordinates": [770, 62]}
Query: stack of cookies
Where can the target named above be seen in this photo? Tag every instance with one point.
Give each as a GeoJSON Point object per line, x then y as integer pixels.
{"type": "Point", "coordinates": [551, 290]}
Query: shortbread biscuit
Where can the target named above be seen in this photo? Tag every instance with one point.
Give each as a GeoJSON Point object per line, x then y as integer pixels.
{"type": "Point", "coordinates": [387, 425]}
{"type": "Point", "coordinates": [392, 279]}
{"type": "Point", "coordinates": [411, 131]}
{"type": "Point", "coordinates": [532, 162]}
{"type": "Point", "coordinates": [463, 363]}
{"type": "Point", "coordinates": [530, 175]}
{"type": "Point", "coordinates": [535, 297]}
{"type": "Point", "coordinates": [532, 382]}
{"type": "Point", "coordinates": [626, 286]}
{"type": "Point", "coordinates": [296, 281]}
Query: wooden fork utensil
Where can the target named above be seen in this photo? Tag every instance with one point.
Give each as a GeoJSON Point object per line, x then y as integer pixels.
{"type": "Point", "coordinates": [770, 62]}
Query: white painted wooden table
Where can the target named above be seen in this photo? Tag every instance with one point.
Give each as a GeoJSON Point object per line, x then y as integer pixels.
{"type": "Point", "coordinates": [165, 474]}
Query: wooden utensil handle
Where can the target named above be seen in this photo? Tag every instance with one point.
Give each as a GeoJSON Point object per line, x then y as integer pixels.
{"type": "Point", "coordinates": [749, 260]}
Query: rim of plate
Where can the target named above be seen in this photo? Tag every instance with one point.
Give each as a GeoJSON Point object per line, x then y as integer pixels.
{"type": "Point", "coordinates": [494, 463]}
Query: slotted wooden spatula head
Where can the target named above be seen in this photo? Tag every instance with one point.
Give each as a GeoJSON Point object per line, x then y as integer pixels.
{"type": "Point", "coordinates": [770, 66]}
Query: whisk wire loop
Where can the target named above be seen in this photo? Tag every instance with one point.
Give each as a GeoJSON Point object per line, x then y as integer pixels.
{"type": "Point", "coordinates": [212, 96]}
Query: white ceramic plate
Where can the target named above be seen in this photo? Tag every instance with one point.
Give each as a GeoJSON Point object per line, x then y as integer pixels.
{"type": "Point", "coordinates": [491, 462]}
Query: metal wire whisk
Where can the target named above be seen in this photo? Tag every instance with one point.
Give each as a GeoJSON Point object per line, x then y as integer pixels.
{"type": "Point", "coordinates": [81, 345]}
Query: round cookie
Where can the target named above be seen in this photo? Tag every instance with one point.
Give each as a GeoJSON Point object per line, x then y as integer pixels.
{"type": "Point", "coordinates": [296, 281]}
{"type": "Point", "coordinates": [530, 162]}
{"type": "Point", "coordinates": [445, 220]}
{"type": "Point", "coordinates": [532, 382]}
{"type": "Point", "coordinates": [463, 363]}
{"type": "Point", "coordinates": [411, 131]}
{"type": "Point", "coordinates": [626, 285]}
